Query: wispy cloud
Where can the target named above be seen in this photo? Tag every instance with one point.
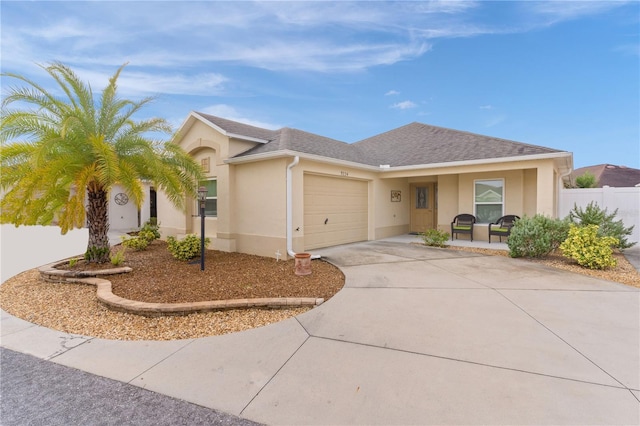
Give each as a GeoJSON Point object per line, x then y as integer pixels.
{"type": "Point", "coordinates": [486, 107]}
{"type": "Point", "coordinates": [327, 37]}
{"type": "Point", "coordinates": [495, 120]}
{"type": "Point", "coordinates": [565, 10]}
{"type": "Point", "coordinates": [632, 49]}
{"type": "Point", "coordinates": [392, 93]}
{"type": "Point", "coordinates": [136, 83]}
{"type": "Point", "coordinates": [404, 105]}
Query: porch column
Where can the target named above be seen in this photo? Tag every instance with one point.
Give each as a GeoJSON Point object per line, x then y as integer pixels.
{"type": "Point", "coordinates": [545, 199]}
{"type": "Point", "coordinates": [225, 236]}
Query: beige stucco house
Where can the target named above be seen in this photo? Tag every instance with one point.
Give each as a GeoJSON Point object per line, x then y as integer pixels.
{"type": "Point", "coordinates": [287, 191]}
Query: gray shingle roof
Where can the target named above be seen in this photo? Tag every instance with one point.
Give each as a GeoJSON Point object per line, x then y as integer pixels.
{"type": "Point", "coordinates": [237, 128]}
{"type": "Point", "coordinates": [418, 143]}
{"type": "Point", "coordinates": [308, 143]}
{"type": "Point", "coordinates": [413, 144]}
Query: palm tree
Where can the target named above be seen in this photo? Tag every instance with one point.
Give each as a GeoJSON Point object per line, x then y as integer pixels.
{"type": "Point", "coordinates": [58, 152]}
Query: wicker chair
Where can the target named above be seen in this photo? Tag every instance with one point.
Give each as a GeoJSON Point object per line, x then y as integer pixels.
{"type": "Point", "coordinates": [502, 227]}
{"type": "Point", "coordinates": [463, 224]}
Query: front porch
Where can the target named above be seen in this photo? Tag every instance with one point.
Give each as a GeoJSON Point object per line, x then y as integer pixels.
{"type": "Point", "coordinates": [410, 238]}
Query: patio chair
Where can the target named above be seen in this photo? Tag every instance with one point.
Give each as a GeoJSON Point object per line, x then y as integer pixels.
{"type": "Point", "coordinates": [502, 227]}
{"type": "Point", "coordinates": [463, 224]}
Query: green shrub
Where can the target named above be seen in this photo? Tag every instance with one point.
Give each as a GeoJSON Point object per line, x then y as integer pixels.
{"type": "Point", "coordinates": [144, 237]}
{"type": "Point", "coordinates": [94, 252]}
{"type": "Point", "coordinates": [587, 248]}
{"type": "Point", "coordinates": [434, 237]}
{"type": "Point", "coordinates": [187, 248]}
{"type": "Point", "coordinates": [136, 243]}
{"type": "Point", "coordinates": [607, 226]}
{"type": "Point", "coordinates": [150, 229]}
{"type": "Point", "coordinates": [586, 180]}
{"type": "Point", "coordinates": [147, 234]}
{"type": "Point", "coordinates": [536, 236]}
{"type": "Point", "coordinates": [118, 257]}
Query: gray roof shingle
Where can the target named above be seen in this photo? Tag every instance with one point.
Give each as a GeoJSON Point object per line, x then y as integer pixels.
{"type": "Point", "coordinates": [418, 143]}
{"type": "Point", "coordinates": [237, 128]}
{"type": "Point", "coordinates": [412, 144]}
{"type": "Point", "coordinates": [308, 143]}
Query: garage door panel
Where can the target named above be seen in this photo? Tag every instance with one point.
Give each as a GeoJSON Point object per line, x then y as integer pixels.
{"type": "Point", "coordinates": [342, 203]}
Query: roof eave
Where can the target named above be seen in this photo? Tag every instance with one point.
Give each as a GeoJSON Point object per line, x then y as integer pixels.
{"type": "Point", "coordinates": [567, 156]}
{"type": "Point", "coordinates": [565, 167]}
{"type": "Point", "coordinates": [290, 153]}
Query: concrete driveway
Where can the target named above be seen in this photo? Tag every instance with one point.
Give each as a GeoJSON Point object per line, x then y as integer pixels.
{"type": "Point", "coordinates": [417, 336]}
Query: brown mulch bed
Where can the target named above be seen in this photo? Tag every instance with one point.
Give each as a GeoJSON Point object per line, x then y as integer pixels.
{"type": "Point", "coordinates": [624, 272]}
{"type": "Point", "coordinates": [159, 278]}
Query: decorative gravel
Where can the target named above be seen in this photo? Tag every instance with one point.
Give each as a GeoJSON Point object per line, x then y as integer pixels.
{"type": "Point", "coordinates": [73, 308]}
{"type": "Point", "coordinates": [158, 277]}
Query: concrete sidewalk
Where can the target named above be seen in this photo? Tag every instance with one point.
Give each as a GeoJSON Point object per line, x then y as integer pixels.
{"type": "Point", "coordinates": [417, 336]}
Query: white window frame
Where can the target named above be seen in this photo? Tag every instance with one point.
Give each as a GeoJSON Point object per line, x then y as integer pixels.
{"type": "Point", "coordinates": [209, 197]}
{"type": "Point", "coordinates": [476, 203]}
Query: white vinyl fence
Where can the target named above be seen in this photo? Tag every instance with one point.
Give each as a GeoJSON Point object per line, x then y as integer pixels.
{"type": "Point", "coordinates": [27, 247]}
{"type": "Point", "coordinates": [626, 200]}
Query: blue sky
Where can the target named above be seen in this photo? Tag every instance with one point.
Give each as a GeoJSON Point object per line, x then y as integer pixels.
{"type": "Point", "coordinates": [562, 74]}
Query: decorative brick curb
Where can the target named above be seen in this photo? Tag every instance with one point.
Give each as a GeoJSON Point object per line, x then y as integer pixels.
{"type": "Point", "coordinates": [117, 303]}
{"type": "Point", "coordinates": [50, 273]}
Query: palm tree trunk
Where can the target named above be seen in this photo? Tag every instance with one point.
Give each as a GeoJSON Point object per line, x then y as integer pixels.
{"type": "Point", "coordinates": [98, 223]}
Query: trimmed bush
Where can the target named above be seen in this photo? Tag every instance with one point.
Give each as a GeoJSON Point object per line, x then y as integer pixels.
{"type": "Point", "coordinates": [145, 236]}
{"type": "Point", "coordinates": [607, 226]}
{"type": "Point", "coordinates": [536, 236]}
{"type": "Point", "coordinates": [588, 249]}
{"type": "Point", "coordinates": [136, 243]}
{"type": "Point", "coordinates": [434, 237]}
{"type": "Point", "coordinates": [187, 248]}
{"type": "Point", "coordinates": [150, 229]}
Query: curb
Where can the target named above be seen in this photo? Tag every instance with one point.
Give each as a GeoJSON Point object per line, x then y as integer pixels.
{"type": "Point", "coordinates": [117, 303]}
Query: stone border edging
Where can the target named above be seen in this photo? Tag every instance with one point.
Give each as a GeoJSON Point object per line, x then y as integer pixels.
{"type": "Point", "coordinates": [105, 295]}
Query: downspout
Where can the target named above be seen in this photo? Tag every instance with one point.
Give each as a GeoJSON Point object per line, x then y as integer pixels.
{"type": "Point", "coordinates": [290, 251]}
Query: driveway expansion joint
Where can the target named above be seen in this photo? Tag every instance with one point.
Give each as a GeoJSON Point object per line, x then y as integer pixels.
{"type": "Point", "coordinates": [499, 367]}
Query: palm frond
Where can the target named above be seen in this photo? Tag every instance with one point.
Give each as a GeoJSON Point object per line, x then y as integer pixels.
{"type": "Point", "coordinates": [60, 148]}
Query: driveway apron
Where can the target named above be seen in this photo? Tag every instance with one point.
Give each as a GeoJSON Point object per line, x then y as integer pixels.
{"type": "Point", "coordinates": [418, 336]}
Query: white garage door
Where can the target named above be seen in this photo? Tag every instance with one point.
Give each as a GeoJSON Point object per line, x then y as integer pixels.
{"type": "Point", "coordinates": [335, 211]}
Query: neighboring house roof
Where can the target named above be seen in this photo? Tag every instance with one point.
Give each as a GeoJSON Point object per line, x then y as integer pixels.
{"type": "Point", "coordinates": [610, 175]}
{"type": "Point", "coordinates": [410, 145]}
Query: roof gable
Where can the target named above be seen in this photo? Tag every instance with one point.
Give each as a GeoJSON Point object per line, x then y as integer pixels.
{"type": "Point", "coordinates": [236, 129]}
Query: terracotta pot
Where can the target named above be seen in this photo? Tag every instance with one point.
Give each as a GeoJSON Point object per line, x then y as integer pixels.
{"type": "Point", "coordinates": [303, 264]}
